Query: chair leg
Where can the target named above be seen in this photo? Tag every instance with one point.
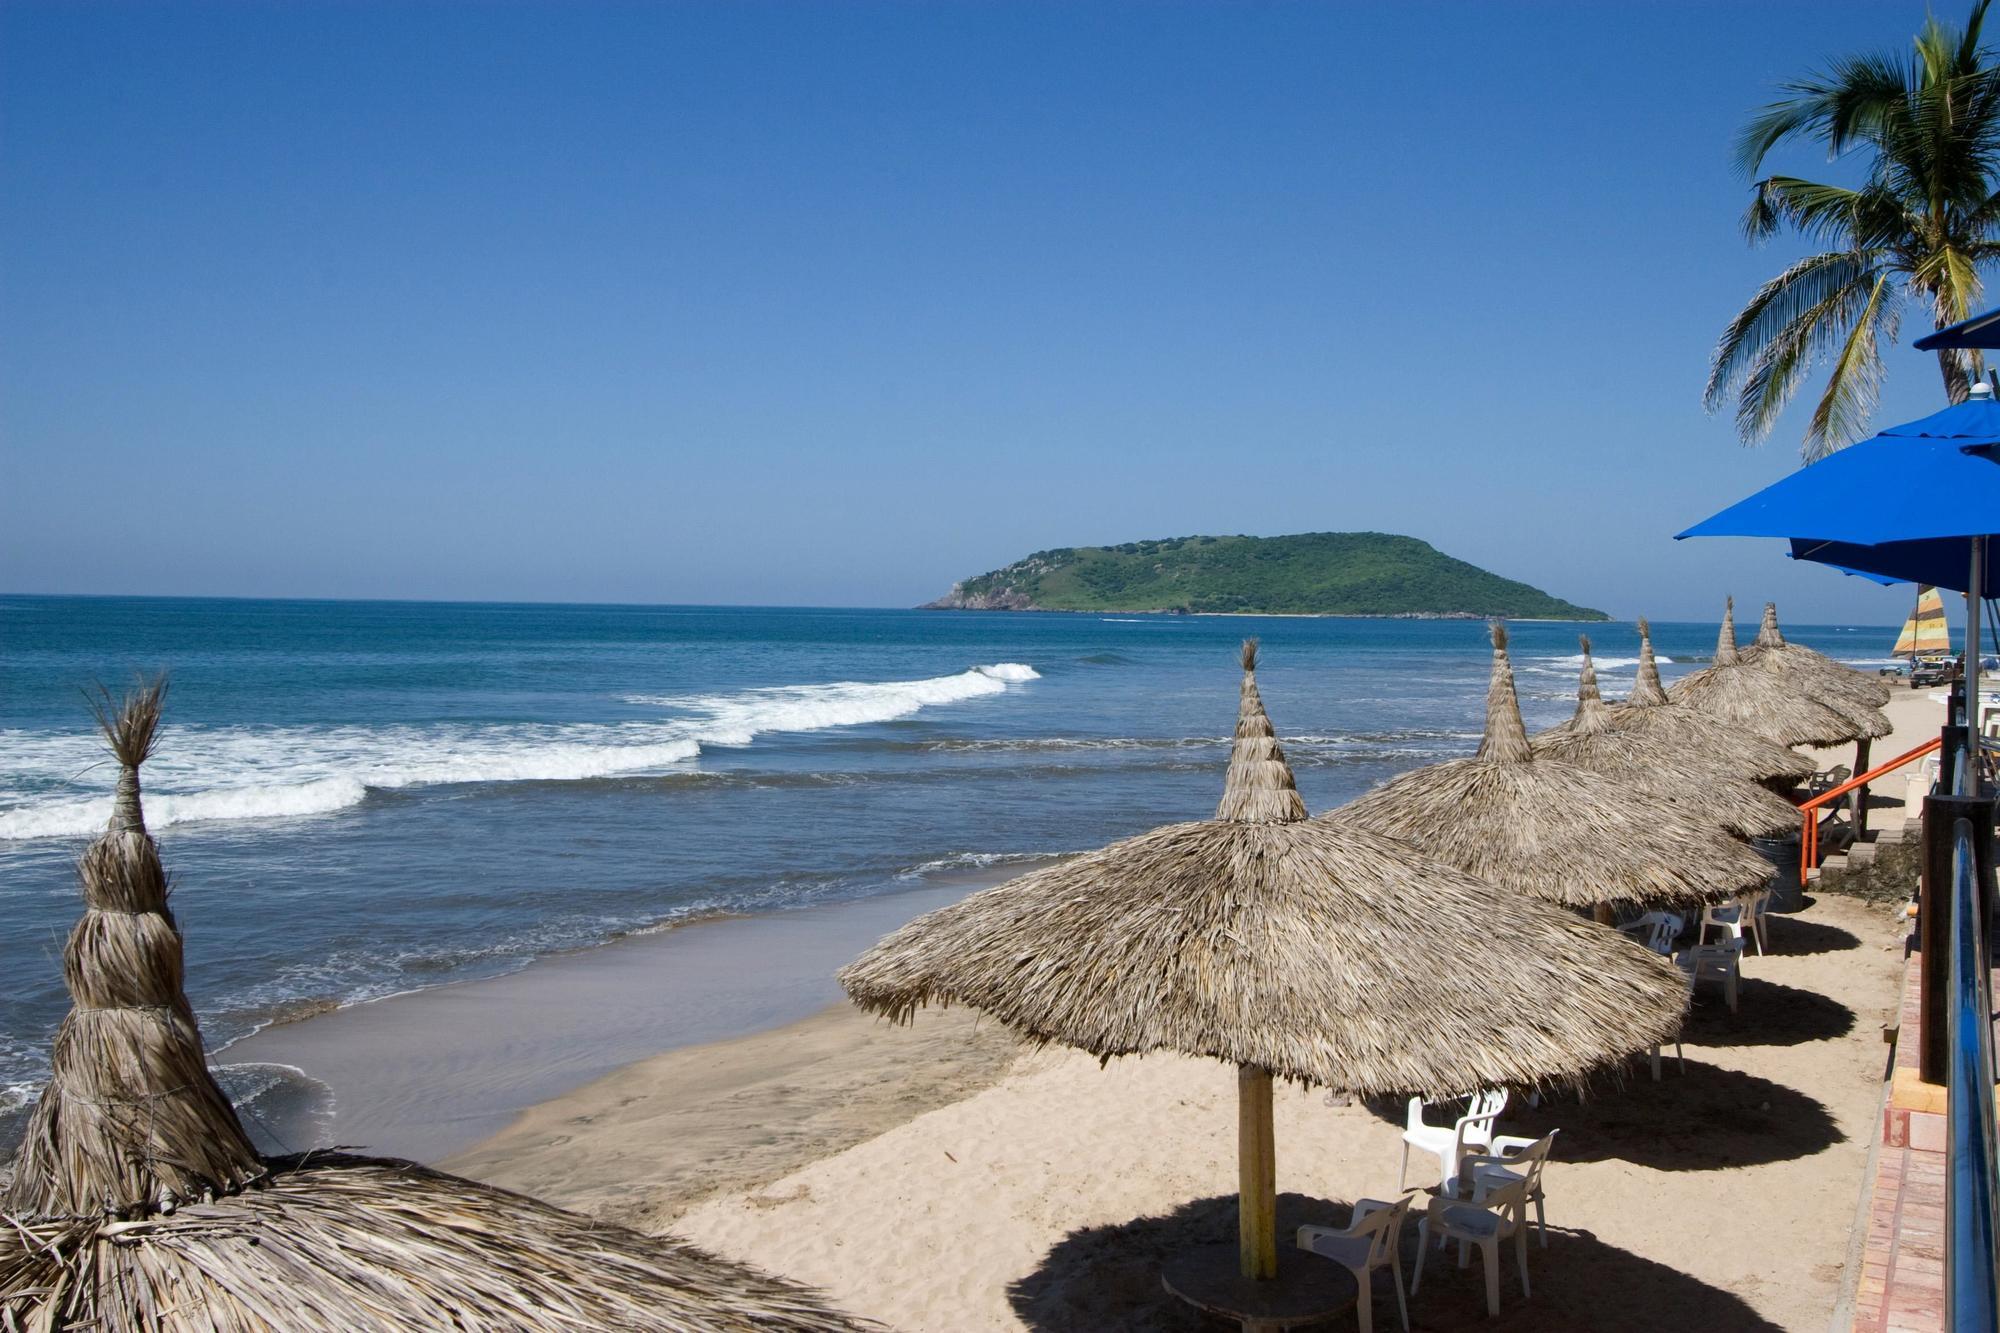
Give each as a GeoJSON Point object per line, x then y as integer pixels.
{"type": "Point", "coordinates": [1404, 1174]}
{"type": "Point", "coordinates": [1729, 988]}
{"type": "Point", "coordinates": [1402, 1306]}
{"type": "Point", "coordinates": [1423, 1249]}
{"type": "Point", "coordinates": [1489, 1250]}
{"type": "Point", "coordinates": [1521, 1254]}
{"type": "Point", "coordinates": [1364, 1303]}
{"type": "Point", "coordinates": [1653, 1058]}
{"type": "Point", "coordinates": [1541, 1222]}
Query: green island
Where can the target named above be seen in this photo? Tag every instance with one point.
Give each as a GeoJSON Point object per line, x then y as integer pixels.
{"type": "Point", "coordinates": [1310, 573]}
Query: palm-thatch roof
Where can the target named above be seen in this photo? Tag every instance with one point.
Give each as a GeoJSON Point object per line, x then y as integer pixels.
{"type": "Point", "coordinates": [1677, 777]}
{"type": "Point", "coordinates": [139, 1204]}
{"type": "Point", "coordinates": [1550, 829]}
{"type": "Point", "coordinates": [1323, 953]}
{"type": "Point", "coordinates": [1832, 683]}
{"type": "Point", "coordinates": [1648, 712]}
{"type": "Point", "coordinates": [1762, 700]}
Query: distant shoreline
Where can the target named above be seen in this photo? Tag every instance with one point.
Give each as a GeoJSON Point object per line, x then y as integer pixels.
{"type": "Point", "coordinates": [1274, 615]}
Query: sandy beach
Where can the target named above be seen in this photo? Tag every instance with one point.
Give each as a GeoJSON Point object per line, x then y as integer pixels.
{"type": "Point", "coordinates": [938, 1177]}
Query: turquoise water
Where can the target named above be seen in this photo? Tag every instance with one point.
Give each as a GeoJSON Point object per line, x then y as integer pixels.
{"type": "Point", "coordinates": [358, 799]}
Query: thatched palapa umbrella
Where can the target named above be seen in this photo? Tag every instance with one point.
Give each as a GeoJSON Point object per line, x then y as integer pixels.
{"type": "Point", "coordinates": [1675, 776]}
{"type": "Point", "coordinates": [1817, 674]}
{"type": "Point", "coordinates": [1551, 829]}
{"type": "Point", "coordinates": [1290, 948]}
{"type": "Point", "coordinates": [1648, 712]}
{"type": "Point", "coordinates": [1748, 695]}
{"type": "Point", "coordinates": [139, 1204]}
{"type": "Point", "coordinates": [1841, 688]}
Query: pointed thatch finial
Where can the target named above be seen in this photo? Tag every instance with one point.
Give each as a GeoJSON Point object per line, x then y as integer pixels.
{"type": "Point", "coordinates": [1506, 739]}
{"type": "Point", "coordinates": [1768, 633]}
{"type": "Point", "coordinates": [131, 1120]}
{"type": "Point", "coordinates": [1259, 788]}
{"type": "Point", "coordinates": [1725, 641]}
{"type": "Point", "coordinates": [1647, 692]}
{"type": "Point", "coordinates": [1591, 715]}
{"type": "Point", "coordinates": [131, 728]}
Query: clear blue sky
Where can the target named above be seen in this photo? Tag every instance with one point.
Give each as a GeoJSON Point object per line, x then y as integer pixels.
{"type": "Point", "coordinates": [835, 303]}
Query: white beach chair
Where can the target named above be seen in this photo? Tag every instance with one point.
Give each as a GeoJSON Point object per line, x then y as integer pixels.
{"type": "Point", "coordinates": [1472, 1132]}
{"type": "Point", "coordinates": [1372, 1239]}
{"type": "Point", "coordinates": [1656, 930]}
{"type": "Point", "coordinates": [1720, 961]}
{"type": "Point", "coordinates": [1501, 1214]}
{"type": "Point", "coordinates": [1513, 1159]}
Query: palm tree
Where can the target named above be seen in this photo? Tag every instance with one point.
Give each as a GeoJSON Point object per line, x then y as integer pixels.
{"type": "Point", "coordinates": [1920, 227]}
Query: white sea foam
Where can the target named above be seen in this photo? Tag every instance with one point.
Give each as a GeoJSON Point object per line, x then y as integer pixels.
{"type": "Point", "coordinates": [738, 719]}
{"type": "Point", "coordinates": [239, 773]}
{"type": "Point", "coordinates": [1574, 662]}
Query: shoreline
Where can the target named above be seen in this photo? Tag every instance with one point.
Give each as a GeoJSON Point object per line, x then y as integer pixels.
{"type": "Point", "coordinates": [378, 1076]}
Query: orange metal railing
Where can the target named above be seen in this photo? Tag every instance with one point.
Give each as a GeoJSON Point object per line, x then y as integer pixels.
{"type": "Point", "coordinates": [1809, 810]}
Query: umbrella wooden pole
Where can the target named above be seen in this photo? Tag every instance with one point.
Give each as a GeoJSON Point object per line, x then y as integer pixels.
{"type": "Point", "coordinates": [1857, 800]}
{"type": "Point", "coordinates": [1256, 1174]}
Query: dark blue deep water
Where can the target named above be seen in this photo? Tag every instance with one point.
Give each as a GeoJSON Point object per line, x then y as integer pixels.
{"type": "Point", "coordinates": [363, 798]}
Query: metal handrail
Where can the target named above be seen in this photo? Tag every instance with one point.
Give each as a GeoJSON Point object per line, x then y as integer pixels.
{"type": "Point", "coordinates": [1972, 1169]}
{"type": "Point", "coordinates": [1809, 809]}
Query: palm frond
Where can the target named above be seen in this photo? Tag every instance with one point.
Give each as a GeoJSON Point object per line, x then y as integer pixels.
{"type": "Point", "coordinates": [1855, 383]}
{"type": "Point", "coordinates": [1807, 286]}
{"type": "Point", "coordinates": [1852, 101]}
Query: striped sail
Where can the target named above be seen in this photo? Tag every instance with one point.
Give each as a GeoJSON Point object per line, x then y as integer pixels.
{"type": "Point", "coordinates": [1925, 631]}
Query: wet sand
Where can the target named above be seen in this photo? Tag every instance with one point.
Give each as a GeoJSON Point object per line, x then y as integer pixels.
{"type": "Point", "coordinates": [434, 1072]}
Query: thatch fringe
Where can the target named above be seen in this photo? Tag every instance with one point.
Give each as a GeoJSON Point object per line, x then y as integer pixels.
{"type": "Point", "coordinates": [1674, 776]}
{"type": "Point", "coordinates": [1554, 830]}
{"type": "Point", "coordinates": [1322, 953]}
{"type": "Point", "coordinates": [1259, 788]}
{"type": "Point", "coordinates": [1751, 695]}
{"type": "Point", "coordinates": [336, 1242]}
{"type": "Point", "coordinates": [130, 1119]}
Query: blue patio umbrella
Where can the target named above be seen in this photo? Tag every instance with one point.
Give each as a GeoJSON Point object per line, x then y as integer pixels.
{"type": "Point", "coordinates": [1981, 331]}
{"type": "Point", "coordinates": [1916, 502]}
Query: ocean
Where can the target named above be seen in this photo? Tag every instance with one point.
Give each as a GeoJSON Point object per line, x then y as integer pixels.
{"type": "Point", "coordinates": [358, 799]}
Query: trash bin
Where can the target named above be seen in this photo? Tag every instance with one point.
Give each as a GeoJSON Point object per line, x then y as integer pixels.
{"type": "Point", "coordinates": [1783, 854]}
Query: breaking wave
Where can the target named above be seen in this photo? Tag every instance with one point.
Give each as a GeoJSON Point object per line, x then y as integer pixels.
{"type": "Point", "coordinates": [244, 773]}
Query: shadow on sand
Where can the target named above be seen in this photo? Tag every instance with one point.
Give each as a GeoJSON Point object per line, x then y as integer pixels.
{"type": "Point", "coordinates": [1769, 1013]}
{"type": "Point", "coordinates": [1707, 1118]}
{"type": "Point", "coordinates": [1792, 935]}
{"type": "Point", "coordinates": [1107, 1279]}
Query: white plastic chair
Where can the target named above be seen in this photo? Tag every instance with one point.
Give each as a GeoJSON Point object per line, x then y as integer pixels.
{"type": "Point", "coordinates": [1513, 1159]}
{"type": "Point", "coordinates": [1372, 1239]}
{"type": "Point", "coordinates": [1502, 1213]}
{"type": "Point", "coordinates": [1472, 1132]}
{"type": "Point", "coordinates": [1720, 961]}
{"type": "Point", "coordinates": [1736, 921]}
{"type": "Point", "coordinates": [1757, 911]}
{"type": "Point", "coordinates": [1656, 930]}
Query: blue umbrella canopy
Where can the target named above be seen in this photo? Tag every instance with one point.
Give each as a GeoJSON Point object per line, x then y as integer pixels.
{"type": "Point", "coordinates": [1903, 504]}
{"type": "Point", "coordinates": [1981, 331]}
